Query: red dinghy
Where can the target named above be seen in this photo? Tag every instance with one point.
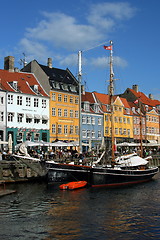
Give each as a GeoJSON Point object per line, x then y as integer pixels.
{"type": "Point", "coordinates": [73, 185]}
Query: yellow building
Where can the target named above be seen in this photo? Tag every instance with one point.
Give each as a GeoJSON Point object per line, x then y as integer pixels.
{"type": "Point", "coordinates": [122, 117]}
{"type": "Point", "coordinates": [152, 125]}
{"type": "Point", "coordinates": [64, 116]}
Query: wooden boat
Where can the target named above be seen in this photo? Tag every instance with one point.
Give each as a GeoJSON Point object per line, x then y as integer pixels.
{"type": "Point", "coordinates": [73, 185]}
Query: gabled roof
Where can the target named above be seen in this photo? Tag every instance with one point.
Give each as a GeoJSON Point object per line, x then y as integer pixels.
{"type": "Point", "coordinates": [88, 97]}
{"type": "Point", "coordinates": [25, 83]}
{"type": "Point", "coordinates": [144, 99]}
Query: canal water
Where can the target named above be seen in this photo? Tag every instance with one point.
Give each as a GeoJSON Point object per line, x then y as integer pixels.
{"type": "Point", "coordinates": [42, 212]}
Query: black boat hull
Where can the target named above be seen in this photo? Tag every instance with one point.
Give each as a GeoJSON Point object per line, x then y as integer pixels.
{"type": "Point", "coordinates": [98, 177]}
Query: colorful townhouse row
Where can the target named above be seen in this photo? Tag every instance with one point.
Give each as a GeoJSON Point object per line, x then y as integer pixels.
{"type": "Point", "coordinates": [41, 103]}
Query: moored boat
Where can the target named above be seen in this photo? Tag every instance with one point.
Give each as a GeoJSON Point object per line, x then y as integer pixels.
{"type": "Point", "coordinates": [125, 170]}
{"type": "Point", "coordinates": [73, 185]}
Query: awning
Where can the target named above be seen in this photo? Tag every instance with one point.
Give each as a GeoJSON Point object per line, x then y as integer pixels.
{"type": "Point", "coordinates": [37, 116]}
{"type": "Point", "coordinates": [45, 117]}
{"type": "Point", "coordinates": [28, 115]}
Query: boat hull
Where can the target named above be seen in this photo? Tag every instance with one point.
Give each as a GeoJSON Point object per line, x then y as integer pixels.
{"type": "Point", "coordinates": [102, 177]}
{"type": "Point", "coordinates": [97, 176]}
{"type": "Point", "coordinates": [68, 173]}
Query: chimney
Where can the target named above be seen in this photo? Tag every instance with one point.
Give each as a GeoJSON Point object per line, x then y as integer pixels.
{"type": "Point", "coordinates": [150, 96]}
{"type": "Point", "coordinates": [49, 63]}
{"type": "Point", "coordinates": [135, 87]}
{"type": "Point", "coordinates": [9, 63]}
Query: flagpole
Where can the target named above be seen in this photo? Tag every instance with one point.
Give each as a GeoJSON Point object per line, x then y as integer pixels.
{"type": "Point", "coordinates": [111, 94]}
{"type": "Point", "coordinates": [80, 100]}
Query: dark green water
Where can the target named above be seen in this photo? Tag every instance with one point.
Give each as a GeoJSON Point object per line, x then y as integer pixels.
{"type": "Point", "coordinates": [38, 211]}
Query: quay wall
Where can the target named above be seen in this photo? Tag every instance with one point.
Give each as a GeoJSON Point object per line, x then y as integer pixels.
{"type": "Point", "coordinates": [16, 171]}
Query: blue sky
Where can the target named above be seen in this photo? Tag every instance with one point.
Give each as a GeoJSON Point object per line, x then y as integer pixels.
{"type": "Point", "coordinates": [60, 28]}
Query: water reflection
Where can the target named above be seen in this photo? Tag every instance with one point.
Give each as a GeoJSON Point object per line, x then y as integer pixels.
{"type": "Point", "coordinates": [39, 211]}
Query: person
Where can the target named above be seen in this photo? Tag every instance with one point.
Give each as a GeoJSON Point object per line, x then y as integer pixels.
{"type": "Point", "coordinates": [0, 155]}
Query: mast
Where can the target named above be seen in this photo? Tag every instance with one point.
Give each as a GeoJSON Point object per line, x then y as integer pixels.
{"type": "Point", "coordinates": [80, 115]}
{"type": "Point", "coordinates": [111, 94]}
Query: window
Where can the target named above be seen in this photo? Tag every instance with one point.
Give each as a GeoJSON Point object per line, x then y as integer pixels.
{"type": "Point", "coordinates": [28, 136]}
{"type": "Point", "coordinates": [120, 119]}
{"type": "Point", "coordinates": [53, 112]}
{"type": "Point", "coordinates": [71, 113]}
{"type": "Point", "coordinates": [116, 119]}
{"type": "Point", "coordinates": [128, 132]}
{"type": "Point", "coordinates": [19, 117]}
{"type": "Point", "coordinates": [59, 98]}
{"type": "Point", "coordinates": [86, 106]}
{"type": "Point", "coordinates": [10, 117]}
{"type": "Point", "coordinates": [76, 130]}
{"type": "Point", "coordinates": [116, 131]}
{"type": "Point", "coordinates": [99, 121]}
{"type": "Point", "coordinates": [36, 137]}
{"type": "Point", "coordinates": [44, 103]}
{"type": "Point", "coordinates": [93, 134]}
{"type": "Point", "coordinates": [59, 129]}
{"type": "Point", "coordinates": [120, 131]}
{"type": "Point", "coordinates": [106, 118]}
{"type": "Point", "coordinates": [76, 114]}
{"type": "Point", "coordinates": [1, 116]}
{"type": "Point", "coordinates": [2, 100]}
{"type": "Point", "coordinates": [28, 101]}
{"type": "Point", "coordinates": [10, 99]}
{"type": "Point", "coordinates": [93, 120]}
{"type": "Point", "coordinates": [83, 120]}
{"type": "Point", "coordinates": [65, 98]}
{"type": "Point", "coordinates": [128, 120]}
{"type": "Point", "coordinates": [65, 129]}
{"type": "Point", "coordinates": [53, 97]}
{"type": "Point", "coordinates": [76, 100]}
{"type": "Point", "coordinates": [88, 133]}
{"type": "Point", "coordinates": [35, 102]}
{"type": "Point", "coordinates": [59, 112]}
{"type": "Point", "coordinates": [65, 113]}
{"type": "Point", "coordinates": [71, 129]}
{"type": "Point", "coordinates": [19, 100]}
{"type": "Point", "coordinates": [71, 99]}
{"type": "Point", "coordinates": [88, 120]}
{"type": "Point", "coordinates": [99, 134]}
{"type": "Point", "coordinates": [83, 133]}
{"type": "Point", "coordinates": [53, 128]}
{"type": "Point", "coordinates": [124, 131]}
{"type": "Point", "coordinates": [124, 120]}
{"type": "Point", "coordinates": [28, 119]}
{"type": "Point", "coordinates": [106, 130]}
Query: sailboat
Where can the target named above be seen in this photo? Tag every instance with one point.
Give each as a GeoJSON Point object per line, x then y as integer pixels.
{"type": "Point", "coordinates": [123, 170]}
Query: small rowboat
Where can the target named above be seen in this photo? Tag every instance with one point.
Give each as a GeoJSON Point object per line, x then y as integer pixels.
{"type": "Point", "coordinates": [73, 185]}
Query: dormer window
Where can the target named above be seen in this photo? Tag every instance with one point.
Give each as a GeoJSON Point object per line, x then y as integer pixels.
{"type": "Point", "coordinates": [65, 87]}
{"type": "Point", "coordinates": [146, 107]}
{"type": "Point", "coordinates": [86, 106]}
{"type": "Point", "coordinates": [96, 108]}
{"type": "Point", "coordinates": [73, 88]}
{"type": "Point", "coordinates": [36, 88]}
{"type": "Point", "coordinates": [56, 85]}
{"type": "Point", "coordinates": [127, 110]}
{"type": "Point", "coordinates": [14, 84]}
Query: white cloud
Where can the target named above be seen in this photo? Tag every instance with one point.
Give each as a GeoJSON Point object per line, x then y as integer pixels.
{"type": "Point", "coordinates": [103, 61]}
{"type": "Point", "coordinates": [34, 48]}
{"type": "Point", "coordinates": [58, 31]}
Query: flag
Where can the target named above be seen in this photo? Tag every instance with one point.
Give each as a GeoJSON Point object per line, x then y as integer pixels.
{"type": "Point", "coordinates": [108, 47]}
{"type": "Point", "coordinates": [136, 101]}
